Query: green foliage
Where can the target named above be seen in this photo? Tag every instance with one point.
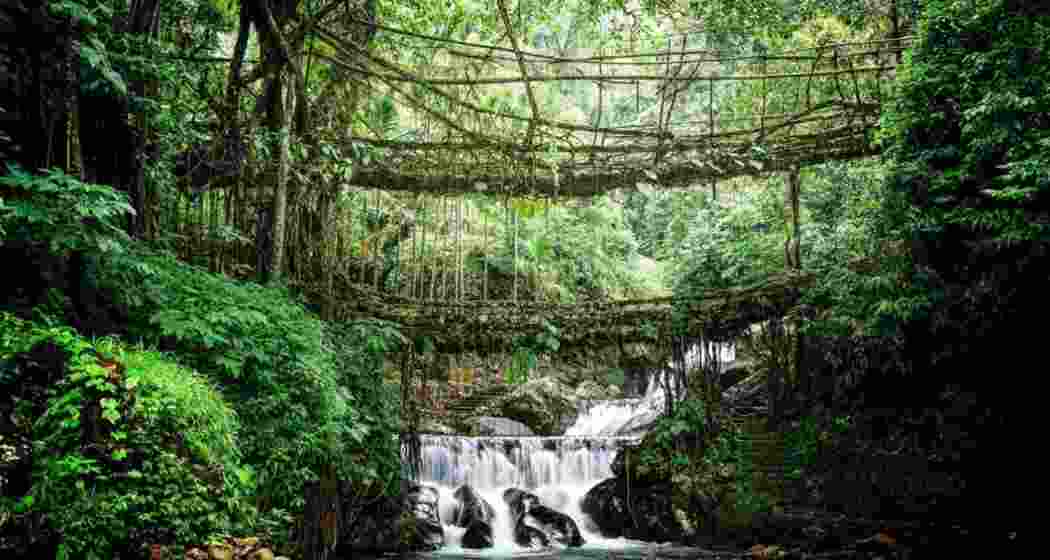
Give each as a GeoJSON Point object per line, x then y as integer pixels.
{"type": "Point", "coordinates": [161, 425]}
{"type": "Point", "coordinates": [805, 442]}
{"type": "Point", "coordinates": [802, 447]}
{"type": "Point", "coordinates": [522, 362]}
{"type": "Point", "coordinates": [274, 361]}
{"type": "Point", "coordinates": [527, 348]}
{"type": "Point", "coordinates": [589, 249]}
{"type": "Point", "coordinates": [664, 449]}
{"type": "Point", "coordinates": [967, 135]}
{"type": "Point", "coordinates": [724, 248]}
{"type": "Point", "coordinates": [360, 348]}
{"type": "Point", "coordinates": [63, 211]}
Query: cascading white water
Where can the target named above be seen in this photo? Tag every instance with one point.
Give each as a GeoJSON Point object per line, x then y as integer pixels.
{"type": "Point", "coordinates": [559, 470]}
{"type": "Point", "coordinates": [635, 416]}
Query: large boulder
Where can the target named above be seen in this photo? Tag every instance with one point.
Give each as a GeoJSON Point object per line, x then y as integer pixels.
{"type": "Point", "coordinates": [388, 524]}
{"type": "Point", "coordinates": [478, 535]}
{"type": "Point", "coordinates": [471, 507]}
{"type": "Point", "coordinates": [648, 515]}
{"type": "Point", "coordinates": [422, 503]}
{"type": "Point", "coordinates": [528, 536]}
{"type": "Point", "coordinates": [558, 526]}
{"type": "Point", "coordinates": [475, 514]}
{"type": "Point", "coordinates": [526, 510]}
{"type": "Point", "coordinates": [519, 501]}
{"type": "Point", "coordinates": [590, 390]}
{"type": "Point", "coordinates": [496, 426]}
{"type": "Point", "coordinates": [538, 403]}
{"type": "Point", "coordinates": [525, 535]}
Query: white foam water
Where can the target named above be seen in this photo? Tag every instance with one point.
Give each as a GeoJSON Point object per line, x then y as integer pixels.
{"type": "Point", "coordinates": [633, 417]}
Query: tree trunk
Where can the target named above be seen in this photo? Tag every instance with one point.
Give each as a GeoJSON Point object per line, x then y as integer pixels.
{"type": "Point", "coordinates": [322, 516]}
{"type": "Point", "coordinates": [792, 255]}
{"type": "Point", "coordinates": [895, 30]}
{"type": "Point", "coordinates": [113, 151]}
{"type": "Point", "coordinates": [793, 367]}
{"type": "Point", "coordinates": [38, 69]}
{"type": "Point", "coordinates": [282, 111]}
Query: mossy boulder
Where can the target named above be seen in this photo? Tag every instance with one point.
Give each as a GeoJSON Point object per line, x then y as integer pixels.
{"type": "Point", "coordinates": [591, 390]}
{"type": "Point", "coordinates": [539, 403]}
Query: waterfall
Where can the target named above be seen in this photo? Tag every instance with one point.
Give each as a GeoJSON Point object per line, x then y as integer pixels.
{"type": "Point", "coordinates": [558, 470]}
{"type": "Point", "coordinates": [634, 417]}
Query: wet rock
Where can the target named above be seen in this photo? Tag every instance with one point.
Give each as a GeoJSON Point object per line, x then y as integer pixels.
{"type": "Point", "coordinates": [377, 527]}
{"type": "Point", "coordinates": [423, 503]}
{"type": "Point", "coordinates": [529, 536]}
{"type": "Point", "coordinates": [478, 535]}
{"type": "Point", "coordinates": [392, 523]}
{"type": "Point", "coordinates": [648, 516]}
{"type": "Point", "coordinates": [552, 524]}
{"type": "Point", "coordinates": [519, 501]}
{"type": "Point", "coordinates": [262, 554]}
{"type": "Point", "coordinates": [558, 526]}
{"type": "Point", "coordinates": [220, 552]}
{"type": "Point", "coordinates": [472, 507]}
{"type": "Point", "coordinates": [431, 426]}
{"type": "Point", "coordinates": [475, 514]}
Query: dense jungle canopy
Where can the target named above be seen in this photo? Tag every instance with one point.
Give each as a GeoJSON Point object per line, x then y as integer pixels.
{"type": "Point", "coordinates": [220, 218]}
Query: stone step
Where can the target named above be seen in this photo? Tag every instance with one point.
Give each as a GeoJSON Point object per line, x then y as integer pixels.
{"type": "Point", "coordinates": [481, 398]}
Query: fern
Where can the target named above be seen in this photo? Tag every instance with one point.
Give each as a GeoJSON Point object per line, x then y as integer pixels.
{"type": "Point", "coordinates": [68, 214]}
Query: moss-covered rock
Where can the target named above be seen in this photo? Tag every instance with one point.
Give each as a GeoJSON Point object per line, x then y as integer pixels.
{"type": "Point", "coordinates": [590, 390]}
{"type": "Point", "coordinates": [539, 403]}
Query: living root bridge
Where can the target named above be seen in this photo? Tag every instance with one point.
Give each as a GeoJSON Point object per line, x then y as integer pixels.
{"type": "Point", "coordinates": [846, 143]}
{"type": "Point", "coordinates": [492, 326]}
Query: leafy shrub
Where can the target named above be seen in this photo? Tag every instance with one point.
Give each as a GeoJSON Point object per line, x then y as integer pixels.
{"type": "Point", "coordinates": [359, 348]}
{"type": "Point", "coordinates": [303, 401]}
{"type": "Point", "coordinates": [724, 248]}
{"type": "Point", "coordinates": [127, 443]}
{"type": "Point", "coordinates": [61, 210]}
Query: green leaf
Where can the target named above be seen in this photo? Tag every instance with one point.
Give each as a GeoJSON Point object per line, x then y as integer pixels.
{"type": "Point", "coordinates": [25, 504]}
